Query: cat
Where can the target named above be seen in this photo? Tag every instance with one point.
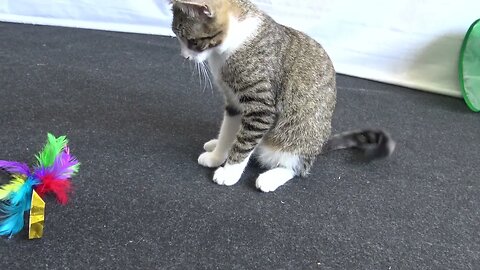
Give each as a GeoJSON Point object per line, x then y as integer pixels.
{"type": "Point", "coordinates": [280, 92]}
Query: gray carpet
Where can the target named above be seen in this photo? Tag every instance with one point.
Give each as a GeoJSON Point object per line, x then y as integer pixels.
{"type": "Point", "coordinates": [137, 118]}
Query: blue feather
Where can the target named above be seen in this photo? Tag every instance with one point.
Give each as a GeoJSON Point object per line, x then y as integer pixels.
{"type": "Point", "coordinates": [12, 212]}
{"type": "Point", "coordinates": [13, 223]}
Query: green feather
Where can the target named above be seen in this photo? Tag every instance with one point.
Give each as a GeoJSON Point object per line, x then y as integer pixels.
{"type": "Point", "coordinates": [76, 168]}
{"type": "Point", "coordinates": [53, 148]}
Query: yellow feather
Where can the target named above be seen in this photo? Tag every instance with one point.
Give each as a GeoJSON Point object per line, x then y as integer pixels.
{"type": "Point", "coordinates": [13, 186]}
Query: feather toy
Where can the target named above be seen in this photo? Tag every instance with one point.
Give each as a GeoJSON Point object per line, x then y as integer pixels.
{"type": "Point", "coordinates": [54, 178]}
{"type": "Point", "coordinates": [14, 167]}
{"type": "Point", "coordinates": [13, 211]}
{"type": "Point", "coordinates": [14, 185]}
{"type": "Point", "coordinates": [55, 166]}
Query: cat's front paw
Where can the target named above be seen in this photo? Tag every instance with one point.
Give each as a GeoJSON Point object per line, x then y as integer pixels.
{"type": "Point", "coordinates": [224, 177]}
{"type": "Point", "coordinates": [228, 175]}
{"type": "Point", "coordinates": [210, 160]}
{"type": "Point", "coordinates": [210, 145]}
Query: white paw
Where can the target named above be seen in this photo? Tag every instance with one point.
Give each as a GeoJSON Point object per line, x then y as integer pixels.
{"type": "Point", "coordinates": [210, 160]}
{"type": "Point", "coordinates": [210, 145]}
{"type": "Point", "coordinates": [228, 175]}
{"type": "Point", "coordinates": [266, 184]}
{"type": "Point", "coordinates": [269, 181]}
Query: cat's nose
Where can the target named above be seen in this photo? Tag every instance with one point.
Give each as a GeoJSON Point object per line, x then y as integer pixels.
{"type": "Point", "coordinates": [186, 56]}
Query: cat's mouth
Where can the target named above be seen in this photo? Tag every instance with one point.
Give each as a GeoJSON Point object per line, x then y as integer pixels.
{"type": "Point", "coordinates": [198, 54]}
{"type": "Point", "coordinates": [198, 57]}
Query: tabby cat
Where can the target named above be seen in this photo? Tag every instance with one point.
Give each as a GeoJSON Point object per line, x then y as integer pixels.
{"type": "Point", "coordinates": [279, 88]}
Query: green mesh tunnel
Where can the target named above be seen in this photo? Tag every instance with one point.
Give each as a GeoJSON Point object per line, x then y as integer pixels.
{"type": "Point", "coordinates": [469, 68]}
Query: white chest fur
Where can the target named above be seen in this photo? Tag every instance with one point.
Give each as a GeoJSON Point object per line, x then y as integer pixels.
{"type": "Point", "coordinates": [239, 33]}
{"type": "Point", "coordinates": [216, 62]}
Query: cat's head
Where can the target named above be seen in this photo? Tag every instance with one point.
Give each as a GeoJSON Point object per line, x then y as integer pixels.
{"type": "Point", "coordinates": [200, 26]}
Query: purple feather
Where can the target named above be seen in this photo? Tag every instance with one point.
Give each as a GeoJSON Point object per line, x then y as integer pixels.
{"type": "Point", "coordinates": [63, 168]}
{"type": "Point", "coordinates": [15, 167]}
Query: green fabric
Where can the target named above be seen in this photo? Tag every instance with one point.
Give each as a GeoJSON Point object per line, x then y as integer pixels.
{"type": "Point", "coordinates": [470, 67]}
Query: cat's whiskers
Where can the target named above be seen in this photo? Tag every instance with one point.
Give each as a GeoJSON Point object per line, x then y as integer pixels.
{"type": "Point", "coordinates": [206, 74]}
{"type": "Point", "coordinates": [191, 67]}
{"type": "Point", "coordinates": [197, 65]}
{"type": "Point", "coordinates": [203, 75]}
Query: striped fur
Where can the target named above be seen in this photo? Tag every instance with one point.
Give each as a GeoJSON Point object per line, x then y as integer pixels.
{"type": "Point", "coordinates": [280, 81]}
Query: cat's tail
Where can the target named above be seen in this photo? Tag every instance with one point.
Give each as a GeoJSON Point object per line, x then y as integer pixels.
{"type": "Point", "coordinates": [373, 143]}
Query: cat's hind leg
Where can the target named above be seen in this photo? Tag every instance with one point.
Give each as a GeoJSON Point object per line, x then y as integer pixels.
{"type": "Point", "coordinates": [282, 166]}
{"type": "Point", "coordinates": [274, 178]}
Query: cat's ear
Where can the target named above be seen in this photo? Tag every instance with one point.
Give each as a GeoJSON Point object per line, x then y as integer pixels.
{"type": "Point", "coordinates": [194, 8]}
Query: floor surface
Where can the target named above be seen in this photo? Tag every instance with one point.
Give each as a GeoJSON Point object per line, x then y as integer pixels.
{"type": "Point", "coordinates": [137, 119]}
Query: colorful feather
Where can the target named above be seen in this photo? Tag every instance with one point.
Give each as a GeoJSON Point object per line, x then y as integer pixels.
{"type": "Point", "coordinates": [65, 165]}
{"type": "Point", "coordinates": [54, 147]}
{"type": "Point", "coordinates": [12, 222]}
{"type": "Point", "coordinates": [24, 191]}
{"type": "Point", "coordinates": [14, 167]}
{"type": "Point", "coordinates": [12, 187]}
{"type": "Point", "coordinates": [55, 179]}
{"type": "Point", "coordinates": [13, 211]}
{"type": "Point", "coordinates": [60, 188]}
{"type": "Point", "coordinates": [51, 175]}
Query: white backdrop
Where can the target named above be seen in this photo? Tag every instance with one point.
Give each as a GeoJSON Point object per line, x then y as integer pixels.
{"type": "Point", "coordinates": [406, 42]}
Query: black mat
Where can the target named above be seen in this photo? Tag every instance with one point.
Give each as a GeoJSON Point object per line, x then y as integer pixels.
{"type": "Point", "coordinates": [137, 118]}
